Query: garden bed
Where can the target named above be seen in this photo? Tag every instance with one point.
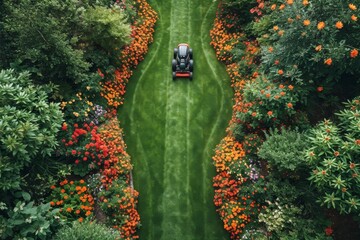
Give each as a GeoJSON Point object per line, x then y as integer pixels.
{"type": "Point", "coordinates": [274, 177]}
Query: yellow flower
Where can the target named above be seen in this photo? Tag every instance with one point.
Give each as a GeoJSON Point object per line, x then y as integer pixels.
{"type": "Point", "coordinates": [306, 22]}
{"type": "Point", "coordinates": [76, 114]}
{"type": "Point", "coordinates": [88, 88]}
{"type": "Point", "coordinates": [339, 25]}
{"type": "Point", "coordinates": [321, 25]}
{"type": "Point", "coordinates": [354, 18]}
{"type": "Point", "coordinates": [352, 7]}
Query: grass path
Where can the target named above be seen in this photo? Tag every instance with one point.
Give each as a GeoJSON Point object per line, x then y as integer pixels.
{"type": "Point", "coordinates": [172, 127]}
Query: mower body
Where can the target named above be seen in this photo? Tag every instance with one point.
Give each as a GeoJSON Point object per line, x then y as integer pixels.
{"type": "Point", "coordinates": [182, 62]}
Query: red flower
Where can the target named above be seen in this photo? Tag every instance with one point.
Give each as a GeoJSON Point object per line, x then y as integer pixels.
{"type": "Point", "coordinates": [354, 53]}
{"type": "Point", "coordinates": [73, 152]}
{"type": "Point", "coordinates": [320, 89]}
{"type": "Point", "coordinates": [328, 231]}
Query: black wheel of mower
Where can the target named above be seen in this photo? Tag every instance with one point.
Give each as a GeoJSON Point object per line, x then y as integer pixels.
{"type": "Point", "coordinates": [174, 75]}
{"type": "Point", "coordinates": [191, 65]}
{"type": "Point", "coordinates": [191, 53]}
{"type": "Point", "coordinates": [191, 76]}
{"type": "Point", "coordinates": [173, 63]}
{"type": "Point", "coordinates": [176, 52]}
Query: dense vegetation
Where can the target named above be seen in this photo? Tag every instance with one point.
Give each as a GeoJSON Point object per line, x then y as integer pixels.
{"type": "Point", "coordinates": [62, 154]}
{"type": "Point", "coordinates": [289, 167]}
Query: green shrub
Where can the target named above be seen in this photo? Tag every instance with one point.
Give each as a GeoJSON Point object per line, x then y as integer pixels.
{"type": "Point", "coordinates": [28, 126]}
{"type": "Point", "coordinates": [107, 27]}
{"type": "Point", "coordinates": [333, 154]}
{"type": "Point", "coordinates": [283, 150]}
{"type": "Point", "coordinates": [86, 231]}
{"type": "Point", "coordinates": [27, 220]}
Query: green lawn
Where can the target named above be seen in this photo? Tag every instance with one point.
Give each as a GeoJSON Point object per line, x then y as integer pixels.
{"type": "Point", "coordinates": [172, 127]}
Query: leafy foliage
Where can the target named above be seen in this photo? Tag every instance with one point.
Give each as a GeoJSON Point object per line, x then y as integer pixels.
{"type": "Point", "coordinates": [107, 27]}
{"type": "Point", "coordinates": [86, 231]}
{"type": "Point", "coordinates": [333, 155]}
{"type": "Point", "coordinates": [27, 220]}
{"type": "Point", "coordinates": [283, 150]}
{"type": "Point", "coordinates": [28, 125]}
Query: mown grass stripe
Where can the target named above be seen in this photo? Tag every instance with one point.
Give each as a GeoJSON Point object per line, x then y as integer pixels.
{"type": "Point", "coordinates": [171, 123]}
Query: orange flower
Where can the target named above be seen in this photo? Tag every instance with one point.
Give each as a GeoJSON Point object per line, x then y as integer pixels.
{"type": "Point", "coordinates": [282, 6]}
{"type": "Point", "coordinates": [269, 113]}
{"type": "Point", "coordinates": [305, 2]}
{"type": "Point", "coordinates": [82, 181]}
{"type": "Point", "coordinates": [81, 219]}
{"type": "Point", "coordinates": [328, 61]}
{"type": "Point", "coordinates": [281, 86]}
{"type": "Point", "coordinates": [52, 203]}
{"type": "Point", "coordinates": [281, 32]}
{"type": "Point", "coordinates": [77, 211]}
{"type": "Point", "coordinates": [291, 87]}
{"type": "Point", "coordinates": [53, 187]}
{"type": "Point", "coordinates": [321, 25]}
{"type": "Point", "coordinates": [69, 209]}
{"type": "Point", "coordinates": [270, 49]}
{"type": "Point", "coordinates": [306, 22]}
{"type": "Point", "coordinates": [352, 7]}
{"type": "Point", "coordinates": [320, 89]}
{"type": "Point", "coordinates": [354, 53]}
{"type": "Point", "coordinates": [282, 93]}
{"type": "Point", "coordinates": [339, 25]}
{"type": "Point", "coordinates": [318, 48]}
{"type": "Point", "coordinates": [88, 213]}
{"type": "Point", "coordinates": [289, 105]}
{"type": "Point", "coordinates": [268, 95]}
{"type": "Point", "coordinates": [354, 18]}
{"type": "Point", "coordinates": [290, 2]}
{"type": "Point", "coordinates": [253, 114]}
{"type": "Point", "coordinates": [280, 72]}
{"type": "Point", "coordinates": [62, 190]}
{"type": "Point", "coordinates": [275, 28]}
{"type": "Point", "coordinates": [273, 7]}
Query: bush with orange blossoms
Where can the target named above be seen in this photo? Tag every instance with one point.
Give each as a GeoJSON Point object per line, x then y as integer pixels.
{"type": "Point", "coordinates": [223, 41]}
{"type": "Point", "coordinates": [119, 202]}
{"type": "Point", "coordinates": [73, 199]}
{"type": "Point", "coordinates": [113, 88]}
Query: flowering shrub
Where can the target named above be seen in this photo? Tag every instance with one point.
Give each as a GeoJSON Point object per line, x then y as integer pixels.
{"type": "Point", "coordinates": [73, 200]}
{"type": "Point", "coordinates": [119, 202]}
{"type": "Point", "coordinates": [84, 147]}
{"type": "Point", "coordinates": [237, 186]}
{"type": "Point", "coordinates": [117, 162]}
{"type": "Point", "coordinates": [113, 88]}
{"type": "Point", "coordinates": [223, 41]}
{"type": "Point", "coordinates": [313, 44]}
{"type": "Point", "coordinates": [333, 157]}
